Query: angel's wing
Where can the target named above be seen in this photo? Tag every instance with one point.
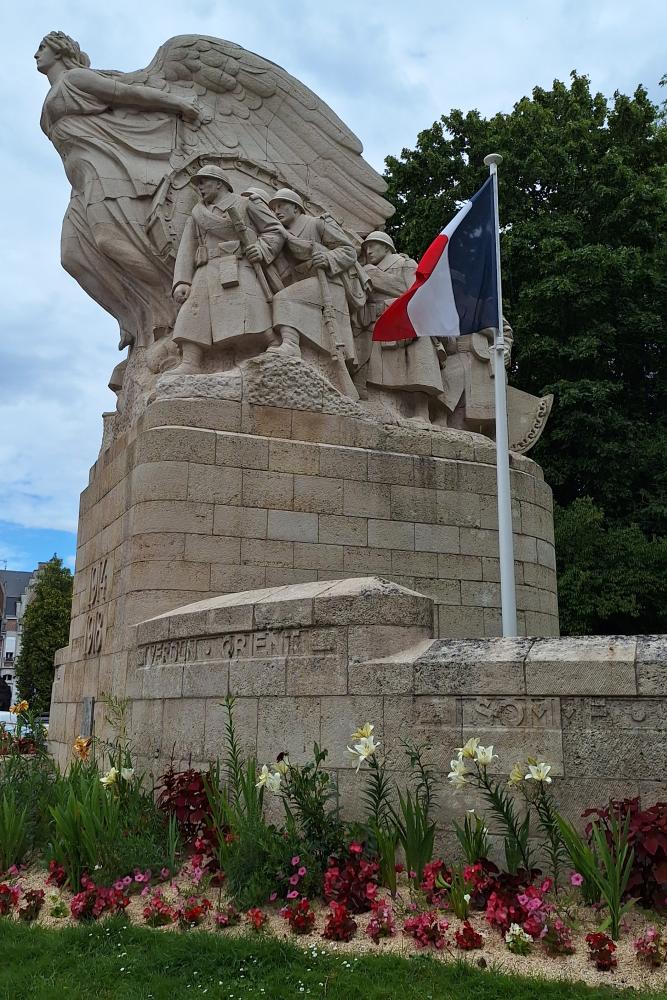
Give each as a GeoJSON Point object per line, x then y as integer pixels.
{"type": "Point", "coordinates": [266, 125]}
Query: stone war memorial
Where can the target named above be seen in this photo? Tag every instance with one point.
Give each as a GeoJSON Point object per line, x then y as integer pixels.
{"type": "Point", "coordinates": [284, 510]}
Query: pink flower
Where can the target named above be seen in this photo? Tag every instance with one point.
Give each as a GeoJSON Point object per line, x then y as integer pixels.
{"type": "Point", "coordinates": [127, 880]}
{"type": "Point", "coordinates": [146, 889]}
{"type": "Point", "coordinates": [302, 871]}
{"type": "Point", "coordinates": [576, 878]}
{"type": "Point", "coordinates": [273, 897]}
{"type": "Point", "coordinates": [293, 894]}
{"type": "Point", "coordinates": [355, 848]}
{"type": "Point", "coordinates": [139, 877]}
{"type": "Point", "coordinates": [295, 860]}
{"type": "Point", "coordinates": [164, 873]}
{"type": "Point", "coordinates": [412, 874]}
{"type": "Point", "coordinates": [294, 880]}
{"type": "Point", "coordinates": [119, 885]}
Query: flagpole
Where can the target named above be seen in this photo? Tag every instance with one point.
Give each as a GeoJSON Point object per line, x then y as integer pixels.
{"type": "Point", "coordinates": [505, 537]}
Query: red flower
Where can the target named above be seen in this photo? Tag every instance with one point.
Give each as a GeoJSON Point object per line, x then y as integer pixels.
{"type": "Point", "coordinates": [467, 938]}
{"type": "Point", "coordinates": [340, 926]}
{"type": "Point", "coordinates": [256, 918]}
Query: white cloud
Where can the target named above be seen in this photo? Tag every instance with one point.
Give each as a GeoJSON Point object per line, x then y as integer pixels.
{"type": "Point", "coordinates": [388, 70]}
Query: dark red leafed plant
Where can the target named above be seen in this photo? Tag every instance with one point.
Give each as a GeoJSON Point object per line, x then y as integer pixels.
{"type": "Point", "coordinates": [601, 951]}
{"type": "Point", "coordinates": [299, 916]}
{"type": "Point", "coordinates": [648, 835]}
{"type": "Point", "coordinates": [183, 795]}
{"type": "Point", "coordinates": [351, 880]}
{"type": "Point", "coordinates": [9, 897]}
{"type": "Point", "coordinates": [33, 901]}
{"type": "Point", "coordinates": [435, 896]}
{"type": "Point", "coordinates": [340, 926]}
{"type": "Point", "coordinates": [467, 938]}
{"type": "Point", "coordinates": [57, 875]}
{"type": "Point", "coordinates": [381, 924]}
{"type": "Point", "coordinates": [427, 929]}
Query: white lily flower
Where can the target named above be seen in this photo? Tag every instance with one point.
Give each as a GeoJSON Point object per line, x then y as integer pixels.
{"type": "Point", "coordinates": [458, 767]}
{"type": "Point", "coordinates": [264, 776]}
{"type": "Point", "coordinates": [273, 782]}
{"type": "Point", "coordinates": [282, 766]}
{"type": "Point", "coordinates": [127, 773]}
{"type": "Point", "coordinates": [110, 778]}
{"type": "Point", "coordinates": [363, 732]}
{"type": "Point", "coordinates": [466, 896]}
{"type": "Point", "coordinates": [484, 755]}
{"type": "Point", "coordinates": [539, 772]}
{"type": "Point", "coordinates": [457, 780]}
{"type": "Point", "coordinates": [364, 749]}
{"type": "Point", "coordinates": [469, 749]}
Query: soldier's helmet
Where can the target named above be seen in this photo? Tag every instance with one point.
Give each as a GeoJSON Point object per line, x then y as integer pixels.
{"type": "Point", "coordinates": [285, 194]}
{"type": "Point", "coordinates": [254, 192]}
{"type": "Point", "coordinates": [379, 237]}
{"type": "Point", "coordinates": [210, 170]}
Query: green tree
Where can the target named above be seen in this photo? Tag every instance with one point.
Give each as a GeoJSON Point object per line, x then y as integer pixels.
{"type": "Point", "coordinates": [583, 200]}
{"type": "Point", "coordinates": [45, 629]}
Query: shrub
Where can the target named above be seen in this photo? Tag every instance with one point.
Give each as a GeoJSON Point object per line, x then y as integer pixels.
{"type": "Point", "coordinates": [256, 918]}
{"type": "Point", "coordinates": [158, 913]}
{"type": "Point", "coordinates": [192, 912]}
{"type": "Point", "coordinates": [381, 924]}
{"type": "Point", "coordinates": [427, 929]}
{"type": "Point", "coordinates": [94, 900]}
{"type": "Point", "coordinates": [340, 926]}
{"type": "Point", "coordinates": [33, 901]}
{"type": "Point", "coordinates": [9, 898]}
{"type": "Point", "coordinates": [651, 947]}
{"type": "Point", "coordinates": [557, 937]}
{"type": "Point", "coordinates": [601, 951]}
{"type": "Point", "coordinates": [13, 830]}
{"type": "Point", "coordinates": [299, 916]}
{"type": "Point", "coordinates": [352, 880]}
{"type": "Point", "coordinates": [518, 941]}
{"type": "Point", "coordinates": [183, 795]}
{"type": "Point", "coordinates": [228, 917]}
{"type": "Point", "coordinates": [648, 836]}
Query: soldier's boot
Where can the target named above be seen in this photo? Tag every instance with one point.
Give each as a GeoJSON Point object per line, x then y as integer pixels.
{"type": "Point", "coordinates": [192, 358]}
{"type": "Point", "coordinates": [289, 344]}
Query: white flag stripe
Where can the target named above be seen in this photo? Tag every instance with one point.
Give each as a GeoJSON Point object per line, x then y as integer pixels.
{"type": "Point", "coordinates": [432, 309]}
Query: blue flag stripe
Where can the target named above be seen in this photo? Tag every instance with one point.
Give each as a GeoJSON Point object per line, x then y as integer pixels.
{"type": "Point", "coordinates": [472, 262]}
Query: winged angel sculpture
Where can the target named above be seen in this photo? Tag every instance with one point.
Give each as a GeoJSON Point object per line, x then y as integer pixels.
{"type": "Point", "coordinates": [131, 142]}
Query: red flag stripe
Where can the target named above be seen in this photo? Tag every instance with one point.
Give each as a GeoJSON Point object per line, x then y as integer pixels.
{"type": "Point", "coordinates": [394, 323]}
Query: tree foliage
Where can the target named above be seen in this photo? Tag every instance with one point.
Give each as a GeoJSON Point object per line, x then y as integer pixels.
{"type": "Point", "coordinates": [45, 629]}
{"type": "Point", "coordinates": [583, 201]}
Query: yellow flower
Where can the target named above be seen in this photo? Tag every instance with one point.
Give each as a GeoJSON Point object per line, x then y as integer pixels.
{"type": "Point", "coordinates": [364, 732]}
{"type": "Point", "coordinates": [282, 766]}
{"type": "Point", "coordinates": [364, 749]}
{"type": "Point", "coordinates": [516, 775]}
{"type": "Point", "coordinates": [81, 747]}
{"type": "Point", "coordinates": [21, 706]}
{"type": "Point", "coordinates": [469, 750]}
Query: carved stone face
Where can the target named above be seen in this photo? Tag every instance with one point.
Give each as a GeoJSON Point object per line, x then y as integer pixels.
{"type": "Point", "coordinates": [208, 188]}
{"type": "Point", "coordinates": [286, 212]}
{"type": "Point", "coordinates": [376, 252]}
{"type": "Point", "coordinates": [45, 57]}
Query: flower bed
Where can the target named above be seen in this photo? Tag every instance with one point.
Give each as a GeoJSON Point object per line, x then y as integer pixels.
{"type": "Point", "coordinates": [217, 864]}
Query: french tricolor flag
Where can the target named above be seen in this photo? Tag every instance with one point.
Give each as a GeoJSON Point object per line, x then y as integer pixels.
{"type": "Point", "coordinates": [455, 288]}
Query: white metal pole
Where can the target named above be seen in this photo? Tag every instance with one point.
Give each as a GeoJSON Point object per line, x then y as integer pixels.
{"type": "Point", "coordinates": [505, 538]}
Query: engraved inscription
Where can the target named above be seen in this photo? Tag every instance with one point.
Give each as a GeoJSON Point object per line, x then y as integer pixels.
{"type": "Point", "coordinates": [617, 713]}
{"type": "Point", "coordinates": [99, 591]}
{"type": "Point", "coordinates": [265, 644]}
{"type": "Point", "coordinates": [512, 713]}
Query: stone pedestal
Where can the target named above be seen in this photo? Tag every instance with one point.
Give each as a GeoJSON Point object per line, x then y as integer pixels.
{"type": "Point", "coordinates": [223, 492]}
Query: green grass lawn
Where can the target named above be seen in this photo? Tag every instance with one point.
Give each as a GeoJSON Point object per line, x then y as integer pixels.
{"type": "Point", "coordinates": [114, 960]}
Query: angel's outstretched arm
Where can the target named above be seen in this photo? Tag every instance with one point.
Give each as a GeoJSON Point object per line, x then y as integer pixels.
{"type": "Point", "coordinates": [117, 94]}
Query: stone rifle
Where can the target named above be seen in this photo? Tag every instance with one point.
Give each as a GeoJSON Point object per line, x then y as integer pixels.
{"type": "Point", "coordinates": [245, 239]}
{"type": "Point", "coordinates": [337, 346]}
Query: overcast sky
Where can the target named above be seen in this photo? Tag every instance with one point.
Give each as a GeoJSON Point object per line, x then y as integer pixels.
{"type": "Point", "coordinates": [388, 69]}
